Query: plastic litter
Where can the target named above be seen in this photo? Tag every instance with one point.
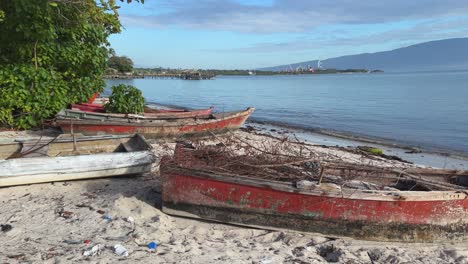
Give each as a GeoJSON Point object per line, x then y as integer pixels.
{"type": "Point", "coordinates": [120, 250]}
{"type": "Point", "coordinates": [107, 217]}
{"type": "Point", "coordinates": [71, 241]}
{"type": "Point", "coordinates": [152, 246]}
{"type": "Point", "coordinates": [96, 250]}
{"type": "Point", "coordinates": [130, 219]}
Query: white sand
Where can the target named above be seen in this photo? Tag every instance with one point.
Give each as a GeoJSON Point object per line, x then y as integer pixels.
{"type": "Point", "coordinates": [39, 233]}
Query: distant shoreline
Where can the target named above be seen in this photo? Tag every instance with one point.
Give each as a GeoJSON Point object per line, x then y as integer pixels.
{"type": "Point", "coordinates": [152, 73]}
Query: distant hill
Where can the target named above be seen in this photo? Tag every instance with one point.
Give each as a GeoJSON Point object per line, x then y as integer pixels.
{"type": "Point", "coordinates": [448, 54]}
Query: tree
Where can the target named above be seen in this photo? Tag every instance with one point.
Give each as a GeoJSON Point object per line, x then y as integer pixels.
{"type": "Point", "coordinates": [52, 52]}
{"type": "Point", "coordinates": [122, 64]}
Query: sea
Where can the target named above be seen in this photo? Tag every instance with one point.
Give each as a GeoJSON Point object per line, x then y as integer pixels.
{"type": "Point", "coordinates": [427, 110]}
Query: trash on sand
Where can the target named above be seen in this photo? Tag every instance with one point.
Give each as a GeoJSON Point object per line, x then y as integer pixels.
{"type": "Point", "coordinates": [94, 250]}
{"type": "Point", "coordinates": [120, 250]}
{"type": "Point", "coordinates": [6, 227]}
{"type": "Point", "coordinates": [152, 246]}
{"type": "Point", "coordinates": [87, 241]}
{"type": "Point", "coordinates": [107, 217]}
{"type": "Point", "coordinates": [64, 214]}
{"type": "Point", "coordinates": [100, 211]}
{"type": "Point", "coordinates": [130, 219]}
{"type": "Point", "coordinates": [71, 241]}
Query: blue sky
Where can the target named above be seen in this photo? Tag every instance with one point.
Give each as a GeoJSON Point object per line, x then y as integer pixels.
{"type": "Point", "coordinates": [240, 34]}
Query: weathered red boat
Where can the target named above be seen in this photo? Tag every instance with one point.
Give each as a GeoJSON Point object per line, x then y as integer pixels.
{"type": "Point", "coordinates": [189, 190]}
{"type": "Point", "coordinates": [154, 128]}
{"type": "Point", "coordinates": [149, 112]}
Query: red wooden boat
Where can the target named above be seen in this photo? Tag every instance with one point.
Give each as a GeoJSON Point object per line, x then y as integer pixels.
{"type": "Point", "coordinates": [383, 215]}
{"type": "Point", "coordinates": [154, 128]}
{"type": "Point", "coordinates": [149, 112]}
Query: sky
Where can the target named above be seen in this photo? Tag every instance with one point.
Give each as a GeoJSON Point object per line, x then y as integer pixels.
{"type": "Point", "coordinates": [241, 34]}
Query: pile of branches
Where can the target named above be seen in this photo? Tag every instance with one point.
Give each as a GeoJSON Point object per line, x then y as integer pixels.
{"type": "Point", "coordinates": [279, 160]}
{"type": "Point", "coordinates": [293, 161]}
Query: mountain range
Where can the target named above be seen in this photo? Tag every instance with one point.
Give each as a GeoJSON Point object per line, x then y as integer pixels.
{"type": "Point", "coordinates": [439, 55]}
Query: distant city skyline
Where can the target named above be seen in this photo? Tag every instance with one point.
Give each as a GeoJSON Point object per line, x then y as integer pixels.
{"type": "Point", "coordinates": [229, 34]}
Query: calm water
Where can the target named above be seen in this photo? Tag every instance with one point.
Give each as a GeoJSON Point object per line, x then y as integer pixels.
{"type": "Point", "coordinates": [420, 109]}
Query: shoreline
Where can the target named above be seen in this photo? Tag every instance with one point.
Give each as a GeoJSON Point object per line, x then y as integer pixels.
{"type": "Point", "coordinates": [422, 157]}
{"type": "Point", "coordinates": [365, 139]}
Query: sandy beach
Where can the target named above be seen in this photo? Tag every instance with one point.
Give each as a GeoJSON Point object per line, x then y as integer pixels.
{"type": "Point", "coordinates": [58, 222]}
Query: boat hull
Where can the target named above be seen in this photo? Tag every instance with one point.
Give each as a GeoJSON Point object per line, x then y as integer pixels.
{"type": "Point", "coordinates": [374, 215]}
{"type": "Point", "coordinates": [157, 128]}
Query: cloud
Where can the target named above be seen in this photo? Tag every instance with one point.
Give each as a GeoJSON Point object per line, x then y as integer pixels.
{"type": "Point", "coordinates": [423, 31]}
{"type": "Point", "coordinates": [287, 15]}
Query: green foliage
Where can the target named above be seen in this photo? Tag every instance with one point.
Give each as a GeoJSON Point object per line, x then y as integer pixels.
{"type": "Point", "coordinates": [120, 63]}
{"type": "Point", "coordinates": [371, 150]}
{"type": "Point", "coordinates": [125, 99]}
{"type": "Point", "coordinates": [24, 93]}
{"type": "Point", "coordinates": [55, 53]}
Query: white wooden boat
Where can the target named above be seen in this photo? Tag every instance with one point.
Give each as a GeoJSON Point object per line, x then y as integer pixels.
{"type": "Point", "coordinates": [73, 158]}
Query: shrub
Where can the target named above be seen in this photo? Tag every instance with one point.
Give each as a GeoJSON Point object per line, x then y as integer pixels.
{"type": "Point", "coordinates": [125, 99]}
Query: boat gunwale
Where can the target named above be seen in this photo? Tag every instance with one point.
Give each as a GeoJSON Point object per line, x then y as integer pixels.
{"type": "Point", "coordinates": [168, 169]}
{"type": "Point", "coordinates": [189, 121]}
{"type": "Point", "coordinates": [144, 116]}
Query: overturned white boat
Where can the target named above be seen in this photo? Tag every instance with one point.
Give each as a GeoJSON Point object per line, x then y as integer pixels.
{"type": "Point", "coordinates": [72, 158]}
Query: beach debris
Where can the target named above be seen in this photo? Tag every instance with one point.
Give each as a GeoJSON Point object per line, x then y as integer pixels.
{"type": "Point", "coordinates": [330, 253]}
{"type": "Point", "coordinates": [72, 242]}
{"type": "Point", "coordinates": [107, 217]}
{"type": "Point", "coordinates": [371, 150]}
{"type": "Point", "coordinates": [130, 219]}
{"type": "Point", "coordinates": [379, 153]}
{"type": "Point", "coordinates": [120, 250]}
{"type": "Point", "coordinates": [85, 206]}
{"type": "Point", "coordinates": [87, 241]}
{"type": "Point", "coordinates": [100, 211]}
{"type": "Point", "coordinates": [152, 246]}
{"type": "Point", "coordinates": [413, 151]}
{"type": "Point", "coordinates": [298, 251]}
{"type": "Point", "coordinates": [375, 254]}
{"type": "Point", "coordinates": [20, 256]}
{"type": "Point", "coordinates": [96, 250]}
{"type": "Point", "coordinates": [65, 214]}
{"type": "Point", "coordinates": [5, 227]}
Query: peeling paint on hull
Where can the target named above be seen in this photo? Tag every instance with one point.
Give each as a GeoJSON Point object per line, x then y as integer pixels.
{"type": "Point", "coordinates": [376, 215]}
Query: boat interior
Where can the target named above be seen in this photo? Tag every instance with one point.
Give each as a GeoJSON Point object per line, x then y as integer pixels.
{"type": "Point", "coordinates": [212, 159]}
{"type": "Point", "coordinates": [71, 145]}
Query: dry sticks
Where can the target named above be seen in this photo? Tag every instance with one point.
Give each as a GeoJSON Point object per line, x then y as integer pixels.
{"type": "Point", "coordinates": [283, 160]}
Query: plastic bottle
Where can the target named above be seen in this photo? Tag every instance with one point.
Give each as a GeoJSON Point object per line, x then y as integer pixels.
{"type": "Point", "coordinates": [120, 250]}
